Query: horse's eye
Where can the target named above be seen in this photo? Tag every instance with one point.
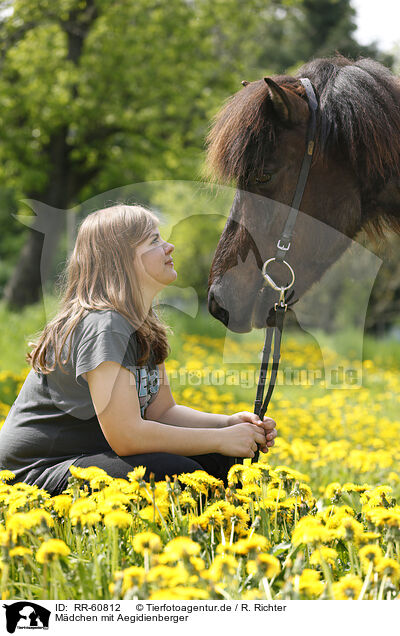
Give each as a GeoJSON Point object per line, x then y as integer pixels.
{"type": "Point", "coordinates": [264, 178]}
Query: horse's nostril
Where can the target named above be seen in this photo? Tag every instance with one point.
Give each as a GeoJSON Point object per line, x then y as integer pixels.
{"type": "Point", "coordinates": [216, 310]}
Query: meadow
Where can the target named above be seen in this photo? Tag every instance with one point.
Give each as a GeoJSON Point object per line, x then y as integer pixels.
{"type": "Point", "coordinates": [315, 518]}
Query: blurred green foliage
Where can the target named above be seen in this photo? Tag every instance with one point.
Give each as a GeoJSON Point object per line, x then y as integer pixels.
{"type": "Point", "coordinates": [98, 94]}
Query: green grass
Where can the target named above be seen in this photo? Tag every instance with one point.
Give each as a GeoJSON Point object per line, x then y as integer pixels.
{"type": "Point", "coordinates": [18, 327]}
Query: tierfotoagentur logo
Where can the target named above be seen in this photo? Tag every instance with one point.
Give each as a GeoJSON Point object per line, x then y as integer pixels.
{"type": "Point", "coordinates": [26, 615]}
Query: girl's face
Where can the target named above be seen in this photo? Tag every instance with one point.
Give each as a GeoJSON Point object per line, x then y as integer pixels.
{"type": "Point", "coordinates": [153, 263]}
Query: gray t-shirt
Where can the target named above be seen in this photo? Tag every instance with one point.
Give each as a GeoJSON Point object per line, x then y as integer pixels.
{"type": "Point", "coordinates": [52, 421]}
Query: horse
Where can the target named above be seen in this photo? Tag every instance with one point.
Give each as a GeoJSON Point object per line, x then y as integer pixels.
{"type": "Point", "coordinates": [257, 142]}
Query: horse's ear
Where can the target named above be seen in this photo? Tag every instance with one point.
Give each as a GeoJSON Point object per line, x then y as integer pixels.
{"type": "Point", "coordinates": [279, 99]}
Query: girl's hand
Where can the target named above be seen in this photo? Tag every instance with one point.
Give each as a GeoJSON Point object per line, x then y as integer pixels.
{"type": "Point", "coordinates": [268, 424]}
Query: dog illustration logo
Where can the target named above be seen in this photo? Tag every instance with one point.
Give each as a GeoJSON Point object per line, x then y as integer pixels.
{"type": "Point", "coordinates": [26, 615]}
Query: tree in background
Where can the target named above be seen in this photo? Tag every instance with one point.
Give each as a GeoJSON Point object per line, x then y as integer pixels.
{"type": "Point", "coordinates": [96, 94]}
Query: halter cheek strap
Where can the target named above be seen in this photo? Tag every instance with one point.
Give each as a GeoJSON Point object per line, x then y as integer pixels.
{"type": "Point", "coordinates": [286, 237]}
{"type": "Point", "coordinates": [283, 246]}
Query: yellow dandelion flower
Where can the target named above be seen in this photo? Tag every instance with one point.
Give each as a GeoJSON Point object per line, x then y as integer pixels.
{"type": "Point", "coordinates": [131, 577]}
{"type": "Point", "coordinates": [348, 588]}
{"type": "Point", "coordinates": [19, 551]}
{"type": "Point", "coordinates": [251, 545]}
{"type": "Point", "coordinates": [52, 549]}
{"type": "Point", "coordinates": [388, 567]}
{"type": "Point", "coordinates": [162, 575]}
{"type": "Point", "coordinates": [287, 473]}
{"type": "Point", "coordinates": [186, 501]}
{"type": "Point", "coordinates": [181, 548]}
{"type": "Point", "coordinates": [309, 582]}
{"type": "Point", "coordinates": [21, 522]}
{"type": "Point", "coordinates": [86, 474]}
{"type": "Point", "coordinates": [264, 565]}
{"type": "Point", "coordinates": [310, 531]}
{"type": "Point", "coordinates": [6, 475]}
{"type": "Point", "coordinates": [367, 537]}
{"type": "Point", "coordinates": [329, 555]}
{"type": "Point", "coordinates": [114, 501]}
{"type": "Point", "coordinates": [333, 490]}
{"type": "Point", "coordinates": [197, 563]}
{"type": "Point", "coordinates": [146, 541]}
{"type": "Point", "coordinates": [267, 504]}
{"type": "Point", "coordinates": [235, 474]}
{"type": "Point", "coordinates": [148, 512]}
{"type": "Point", "coordinates": [350, 529]}
{"type": "Point", "coordinates": [370, 554]}
{"type": "Point", "coordinates": [137, 474]}
{"type": "Point", "coordinates": [61, 504]}
{"type": "Point", "coordinates": [118, 519]}
{"type": "Point", "coordinates": [80, 508]}
{"type": "Point", "coordinates": [251, 474]}
{"type": "Point", "coordinates": [223, 565]}
{"type": "Point", "coordinates": [383, 516]}
{"type": "Point", "coordinates": [252, 595]}
{"type": "Point", "coordinates": [100, 481]}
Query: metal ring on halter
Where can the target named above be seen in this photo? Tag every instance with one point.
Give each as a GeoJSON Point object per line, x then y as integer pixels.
{"type": "Point", "coordinates": [272, 283]}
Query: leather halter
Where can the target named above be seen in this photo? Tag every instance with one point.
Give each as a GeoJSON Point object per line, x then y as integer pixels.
{"type": "Point", "coordinates": [283, 246]}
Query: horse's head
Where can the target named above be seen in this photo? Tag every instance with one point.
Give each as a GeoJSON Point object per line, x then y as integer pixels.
{"type": "Point", "coordinates": [259, 141]}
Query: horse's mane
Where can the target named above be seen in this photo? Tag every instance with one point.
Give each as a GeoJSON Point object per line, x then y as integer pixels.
{"type": "Point", "coordinates": [359, 112]}
{"type": "Point", "coordinates": [359, 116]}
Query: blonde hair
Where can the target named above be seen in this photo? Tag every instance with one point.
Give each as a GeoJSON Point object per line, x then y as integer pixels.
{"type": "Point", "coordinates": [100, 275]}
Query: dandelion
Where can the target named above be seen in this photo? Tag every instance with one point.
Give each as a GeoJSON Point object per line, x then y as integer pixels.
{"type": "Point", "coordinates": [181, 548]}
{"type": "Point", "coordinates": [250, 545]}
{"type": "Point", "coordinates": [370, 554]}
{"type": "Point", "coordinates": [90, 519]}
{"type": "Point", "coordinates": [235, 474]}
{"type": "Point", "coordinates": [329, 555]}
{"type": "Point", "coordinates": [251, 474]}
{"type": "Point", "coordinates": [309, 582]}
{"type": "Point", "coordinates": [19, 551]}
{"type": "Point", "coordinates": [384, 516]}
{"type": "Point", "coordinates": [350, 529]}
{"type": "Point", "coordinates": [367, 537]}
{"type": "Point", "coordinates": [158, 513]}
{"type": "Point", "coordinates": [264, 565]}
{"type": "Point", "coordinates": [146, 541]}
{"type": "Point", "coordinates": [333, 491]}
{"type": "Point", "coordinates": [51, 549]}
{"type": "Point", "coordinates": [223, 565]}
{"type": "Point", "coordinates": [6, 475]}
{"type": "Point", "coordinates": [21, 522]}
{"type": "Point", "coordinates": [118, 519]}
{"type": "Point", "coordinates": [113, 501]}
{"type": "Point", "coordinates": [86, 474]}
{"type": "Point", "coordinates": [80, 508]}
{"type": "Point", "coordinates": [310, 531]}
{"type": "Point", "coordinates": [100, 481]}
{"type": "Point", "coordinates": [388, 567]}
{"type": "Point", "coordinates": [137, 474]}
{"type": "Point", "coordinates": [348, 588]}
{"type": "Point", "coordinates": [161, 575]}
{"type": "Point", "coordinates": [61, 504]}
{"type": "Point", "coordinates": [131, 577]}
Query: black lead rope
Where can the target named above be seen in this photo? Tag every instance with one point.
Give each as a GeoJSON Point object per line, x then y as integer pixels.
{"type": "Point", "coordinates": [283, 245]}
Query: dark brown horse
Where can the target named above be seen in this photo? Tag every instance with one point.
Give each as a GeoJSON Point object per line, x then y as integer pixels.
{"type": "Point", "coordinates": [257, 143]}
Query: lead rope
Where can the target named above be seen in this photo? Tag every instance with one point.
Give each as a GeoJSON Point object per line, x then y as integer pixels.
{"type": "Point", "coordinates": [275, 332]}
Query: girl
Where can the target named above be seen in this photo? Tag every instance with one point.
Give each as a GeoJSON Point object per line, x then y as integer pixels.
{"type": "Point", "coordinates": [98, 393]}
